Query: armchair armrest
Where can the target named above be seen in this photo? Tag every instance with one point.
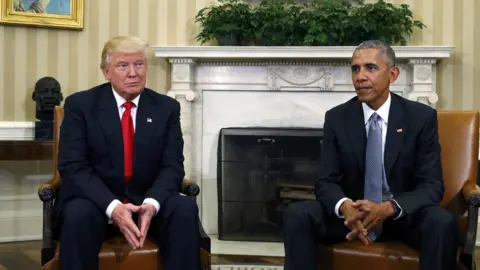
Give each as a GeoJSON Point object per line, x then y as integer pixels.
{"type": "Point", "coordinates": [471, 193]}
{"type": "Point", "coordinates": [48, 191]}
{"type": "Point", "coordinates": [189, 188]}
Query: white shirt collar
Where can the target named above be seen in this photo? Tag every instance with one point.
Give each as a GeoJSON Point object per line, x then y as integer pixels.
{"type": "Point", "coordinates": [120, 100]}
{"type": "Point", "coordinates": [383, 111]}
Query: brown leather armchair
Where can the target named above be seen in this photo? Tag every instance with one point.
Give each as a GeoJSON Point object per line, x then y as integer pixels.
{"type": "Point", "coordinates": [115, 253]}
{"type": "Point", "coordinates": [459, 135]}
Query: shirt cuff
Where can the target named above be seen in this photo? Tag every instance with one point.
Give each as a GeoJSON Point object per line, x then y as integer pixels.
{"type": "Point", "coordinates": [401, 210]}
{"type": "Point", "coordinates": [337, 207]}
{"type": "Point", "coordinates": [154, 202]}
{"type": "Point", "coordinates": [110, 208]}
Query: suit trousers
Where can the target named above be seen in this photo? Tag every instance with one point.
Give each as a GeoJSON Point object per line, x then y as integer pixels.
{"type": "Point", "coordinates": [83, 228]}
{"type": "Point", "coordinates": [432, 231]}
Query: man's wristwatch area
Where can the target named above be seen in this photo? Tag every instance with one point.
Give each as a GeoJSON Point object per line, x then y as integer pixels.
{"type": "Point", "coordinates": [396, 209]}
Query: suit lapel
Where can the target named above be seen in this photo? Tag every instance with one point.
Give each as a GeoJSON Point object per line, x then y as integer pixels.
{"type": "Point", "coordinates": [395, 133]}
{"type": "Point", "coordinates": [355, 129]}
{"type": "Point", "coordinates": [144, 129]}
{"type": "Point", "coordinates": [109, 118]}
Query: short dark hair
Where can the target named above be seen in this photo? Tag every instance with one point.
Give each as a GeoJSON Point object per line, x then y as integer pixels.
{"type": "Point", "coordinates": [386, 50]}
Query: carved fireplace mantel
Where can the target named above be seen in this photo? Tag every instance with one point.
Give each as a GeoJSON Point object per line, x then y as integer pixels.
{"type": "Point", "coordinates": [220, 86]}
{"type": "Point", "coordinates": [292, 52]}
{"type": "Point", "coordinates": [183, 59]}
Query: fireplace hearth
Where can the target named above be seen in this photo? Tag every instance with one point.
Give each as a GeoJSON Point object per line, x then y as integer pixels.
{"type": "Point", "coordinates": [260, 171]}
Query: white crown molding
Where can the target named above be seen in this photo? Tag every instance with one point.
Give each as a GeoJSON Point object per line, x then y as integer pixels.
{"type": "Point", "coordinates": [292, 52]}
{"type": "Point", "coordinates": [16, 131]}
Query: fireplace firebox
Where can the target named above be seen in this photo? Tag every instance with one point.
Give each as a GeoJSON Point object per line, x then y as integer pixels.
{"type": "Point", "coordinates": [260, 171]}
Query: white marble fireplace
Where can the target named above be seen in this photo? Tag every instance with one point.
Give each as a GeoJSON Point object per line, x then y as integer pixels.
{"type": "Point", "coordinates": [271, 87]}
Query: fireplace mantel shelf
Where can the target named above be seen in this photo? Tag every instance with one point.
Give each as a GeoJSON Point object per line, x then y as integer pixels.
{"type": "Point", "coordinates": [291, 52]}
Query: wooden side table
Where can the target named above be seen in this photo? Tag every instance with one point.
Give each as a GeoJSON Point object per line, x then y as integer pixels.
{"type": "Point", "coordinates": [26, 150]}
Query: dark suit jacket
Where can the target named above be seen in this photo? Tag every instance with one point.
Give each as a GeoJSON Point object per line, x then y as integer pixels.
{"type": "Point", "coordinates": [90, 157]}
{"type": "Point", "coordinates": [412, 155]}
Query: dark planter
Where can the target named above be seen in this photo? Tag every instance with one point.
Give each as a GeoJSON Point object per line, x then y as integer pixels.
{"type": "Point", "coordinates": [227, 40]}
{"type": "Point", "coordinates": [269, 41]}
{"type": "Point", "coordinates": [274, 42]}
{"type": "Point", "coordinates": [331, 41]}
{"type": "Point", "coordinates": [247, 41]}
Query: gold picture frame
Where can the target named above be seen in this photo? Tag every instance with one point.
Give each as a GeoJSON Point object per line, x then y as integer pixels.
{"type": "Point", "coordinates": [65, 14]}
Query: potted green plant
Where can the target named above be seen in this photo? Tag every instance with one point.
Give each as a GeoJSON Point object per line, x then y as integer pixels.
{"type": "Point", "coordinates": [384, 21]}
{"type": "Point", "coordinates": [278, 23]}
{"type": "Point", "coordinates": [227, 23]}
{"type": "Point", "coordinates": [327, 23]}
{"type": "Point", "coordinates": [354, 23]}
{"type": "Point", "coordinates": [317, 23]}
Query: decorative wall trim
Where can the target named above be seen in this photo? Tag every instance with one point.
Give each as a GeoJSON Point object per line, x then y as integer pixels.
{"type": "Point", "coordinates": [21, 217]}
{"type": "Point", "coordinates": [16, 131]}
{"type": "Point", "coordinates": [21, 228]}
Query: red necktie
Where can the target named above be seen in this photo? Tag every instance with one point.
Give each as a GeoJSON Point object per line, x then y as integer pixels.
{"type": "Point", "coordinates": [128, 135]}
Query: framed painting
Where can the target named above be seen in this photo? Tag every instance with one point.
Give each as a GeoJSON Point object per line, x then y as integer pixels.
{"type": "Point", "coordinates": [67, 14]}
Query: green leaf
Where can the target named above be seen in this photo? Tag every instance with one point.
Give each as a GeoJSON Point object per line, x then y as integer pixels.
{"type": "Point", "coordinates": [318, 23]}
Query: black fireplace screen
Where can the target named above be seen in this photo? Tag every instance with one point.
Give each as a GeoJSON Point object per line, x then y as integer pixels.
{"type": "Point", "coordinates": [260, 171]}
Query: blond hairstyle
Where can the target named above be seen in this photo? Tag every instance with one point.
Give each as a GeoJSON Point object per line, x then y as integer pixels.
{"type": "Point", "coordinates": [122, 44]}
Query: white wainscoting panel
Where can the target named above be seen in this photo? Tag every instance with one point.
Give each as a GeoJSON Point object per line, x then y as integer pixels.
{"type": "Point", "coordinates": [16, 131]}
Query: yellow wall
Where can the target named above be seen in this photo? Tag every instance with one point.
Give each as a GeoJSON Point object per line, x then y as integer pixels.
{"type": "Point", "coordinates": [73, 57]}
{"type": "Point", "coordinates": [457, 23]}
{"type": "Point", "coordinates": [27, 54]}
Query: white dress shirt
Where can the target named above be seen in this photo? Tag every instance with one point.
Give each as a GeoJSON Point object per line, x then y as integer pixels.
{"type": "Point", "coordinates": [120, 101]}
{"type": "Point", "coordinates": [383, 112]}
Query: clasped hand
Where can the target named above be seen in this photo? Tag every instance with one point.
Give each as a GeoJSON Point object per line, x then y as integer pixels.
{"type": "Point", "coordinates": [362, 216]}
{"type": "Point", "coordinates": [122, 216]}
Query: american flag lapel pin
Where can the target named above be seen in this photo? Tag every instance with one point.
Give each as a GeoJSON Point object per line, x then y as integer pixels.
{"type": "Point", "coordinates": [400, 130]}
{"type": "Point", "coordinates": [149, 120]}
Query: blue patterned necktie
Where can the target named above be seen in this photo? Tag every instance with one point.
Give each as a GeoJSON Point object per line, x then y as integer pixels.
{"type": "Point", "coordinates": [374, 167]}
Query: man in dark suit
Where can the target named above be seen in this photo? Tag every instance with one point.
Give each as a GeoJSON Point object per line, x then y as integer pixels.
{"type": "Point", "coordinates": [121, 160]}
{"type": "Point", "coordinates": [381, 173]}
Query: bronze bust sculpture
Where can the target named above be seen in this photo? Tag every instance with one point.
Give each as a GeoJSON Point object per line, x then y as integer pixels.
{"type": "Point", "coordinates": [47, 94]}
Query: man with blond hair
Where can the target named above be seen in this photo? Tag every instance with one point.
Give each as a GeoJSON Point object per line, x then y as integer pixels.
{"type": "Point", "coordinates": [120, 158]}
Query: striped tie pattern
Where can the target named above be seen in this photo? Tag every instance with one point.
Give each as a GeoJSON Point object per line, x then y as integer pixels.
{"type": "Point", "coordinates": [374, 166]}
